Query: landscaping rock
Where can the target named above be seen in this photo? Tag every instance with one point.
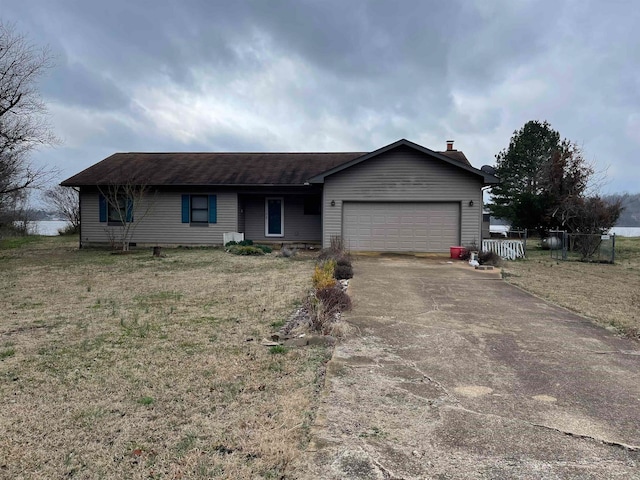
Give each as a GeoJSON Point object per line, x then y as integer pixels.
{"type": "Point", "coordinates": [484, 267]}
{"type": "Point", "coordinates": [322, 340]}
{"type": "Point", "coordinates": [296, 342]}
{"type": "Point", "coordinates": [279, 337]}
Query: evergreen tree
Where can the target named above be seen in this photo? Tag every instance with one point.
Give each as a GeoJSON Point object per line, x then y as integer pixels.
{"type": "Point", "coordinates": [523, 168]}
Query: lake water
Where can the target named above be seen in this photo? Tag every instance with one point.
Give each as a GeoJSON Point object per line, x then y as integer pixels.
{"type": "Point", "coordinates": [626, 231]}
{"type": "Point", "coordinates": [621, 231]}
{"type": "Point", "coordinates": [47, 227]}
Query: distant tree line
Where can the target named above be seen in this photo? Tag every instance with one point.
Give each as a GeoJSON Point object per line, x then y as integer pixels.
{"type": "Point", "coordinates": [630, 216]}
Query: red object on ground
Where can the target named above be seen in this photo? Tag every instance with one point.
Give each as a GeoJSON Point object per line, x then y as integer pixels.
{"type": "Point", "coordinates": [456, 252]}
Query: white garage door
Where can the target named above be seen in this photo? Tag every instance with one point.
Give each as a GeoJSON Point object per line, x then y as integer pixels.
{"type": "Point", "coordinates": [401, 227]}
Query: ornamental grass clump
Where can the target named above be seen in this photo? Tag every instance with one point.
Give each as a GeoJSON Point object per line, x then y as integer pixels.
{"type": "Point", "coordinates": [323, 275]}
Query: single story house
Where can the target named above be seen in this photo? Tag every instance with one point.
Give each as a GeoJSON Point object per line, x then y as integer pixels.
{"type": "Point", "coordinates": [401, 197]}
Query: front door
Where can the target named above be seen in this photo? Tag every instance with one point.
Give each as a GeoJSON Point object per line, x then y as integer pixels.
{"type": "Point", "coordinates": [274, 217]}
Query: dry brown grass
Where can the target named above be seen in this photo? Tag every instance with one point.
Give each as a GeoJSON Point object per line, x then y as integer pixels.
{"type": "Point", "coordinates": [129, 366]}
{"type": "Point", "coordinates": [609, 294]}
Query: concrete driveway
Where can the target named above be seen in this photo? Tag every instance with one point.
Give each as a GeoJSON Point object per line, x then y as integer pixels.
{"type": "Point", "coordinates": [448, 372]}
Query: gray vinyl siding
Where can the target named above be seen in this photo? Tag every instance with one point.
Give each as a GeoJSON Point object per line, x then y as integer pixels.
{"type": "Point", "coordinates": [404, 175]}
{"type": "Point", "coordinates": [162, 224]}
{"type": "Point", "coordinates": [298, 227]}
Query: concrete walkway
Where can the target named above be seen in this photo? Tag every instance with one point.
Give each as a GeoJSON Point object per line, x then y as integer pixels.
{"type": "Point", "coordinates": [451, 373]}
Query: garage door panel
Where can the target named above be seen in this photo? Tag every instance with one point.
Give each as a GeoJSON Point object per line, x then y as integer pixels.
{"type": "Point", "coordinates": [419, 227]}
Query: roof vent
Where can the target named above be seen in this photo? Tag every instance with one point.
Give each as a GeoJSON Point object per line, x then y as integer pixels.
{"type": "Point", "coordinates": [449, 145]}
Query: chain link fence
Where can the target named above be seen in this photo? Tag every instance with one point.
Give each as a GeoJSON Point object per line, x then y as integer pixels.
{"type": "Point", "coordinates": [582, 247]}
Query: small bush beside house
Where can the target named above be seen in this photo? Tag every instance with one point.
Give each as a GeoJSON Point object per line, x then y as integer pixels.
{"type": "Point", "coordinates": [245, 250]}
{"type": "Point", "coordinates": [246, 247]}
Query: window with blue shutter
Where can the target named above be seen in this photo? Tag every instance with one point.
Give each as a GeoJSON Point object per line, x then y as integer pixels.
{"type": "Point", "coordinates": [213, 209]}
{"type": "Point", "coordinates": [129, 213]}
{"type": "Point", "coordinates": [119, 209]}
{"type": "Point", "coordinates": [185, 208]}
{"type": "Point", "coordinates": [102, 207]}
{"type": "Point", "coordinates": [199, 209]}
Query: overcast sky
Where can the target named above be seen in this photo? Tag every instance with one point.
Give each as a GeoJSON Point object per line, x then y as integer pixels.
{"type": "Point", "coordinates": [343, 75]}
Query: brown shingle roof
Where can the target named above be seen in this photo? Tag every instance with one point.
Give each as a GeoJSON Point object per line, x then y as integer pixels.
{"type": "Point", "coordinates": [209, 168]}
{"type": "Point", "coordinates": [456, 155]}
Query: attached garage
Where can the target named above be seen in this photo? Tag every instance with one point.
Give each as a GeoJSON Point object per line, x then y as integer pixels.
{"type": "Point", "coordinates": [401, 226]}
{"type": "Point", "coordinates": [403, 198]}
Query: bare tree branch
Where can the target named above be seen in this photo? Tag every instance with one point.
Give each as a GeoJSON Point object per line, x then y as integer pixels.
{"type": "Point", "coordinates": [128, 204]}
{"type": "Point", "coordinates": [23, 115]}
{"type": "Point", "coordinates": [66, 202]}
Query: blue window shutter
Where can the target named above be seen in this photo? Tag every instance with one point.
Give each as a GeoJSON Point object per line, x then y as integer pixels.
{"type": "Point", "coordinates": [213, 211]}
{"type": "Point", "coordinates": [102, 206]}
{"type": "Point", "coordinates": [185, 208]}
{"type": "Point", "coordinates": [129, 215]}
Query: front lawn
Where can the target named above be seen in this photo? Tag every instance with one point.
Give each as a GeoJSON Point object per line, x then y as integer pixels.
{"type": "Point", "coordinates": [130, 366]}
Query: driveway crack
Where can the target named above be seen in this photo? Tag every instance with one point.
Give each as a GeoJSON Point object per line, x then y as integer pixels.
{"type": "Point", "coordinates": [624, 446]}
{"type": "Point", "coordinates": [611, 443]}
{"type": "Point", "coordinates": [388, 474]}
{"type": "Point", "coordinates": [434, 381]}
{"type": "Point", "coordinates": [577, 350]}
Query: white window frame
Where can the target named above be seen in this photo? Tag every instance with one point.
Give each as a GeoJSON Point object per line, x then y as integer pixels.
{"type": "Point", "coordinates": [266, 217]}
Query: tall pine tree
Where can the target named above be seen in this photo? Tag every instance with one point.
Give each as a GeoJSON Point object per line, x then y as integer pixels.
{"type": "Point", "coordinates": [523, 168]}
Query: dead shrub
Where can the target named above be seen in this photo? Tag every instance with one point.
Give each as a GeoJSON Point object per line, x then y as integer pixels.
{"type": "Point", "coordinates": [344, 259]}
{"type": "Point", "coordinates": [319, 321]}
{"type": "Point", "coordinates": [336, 251]}
{"type": "Point", "coordinates": [325, 306]}
{"type": "Point", "coordinates": [336, 243]}
{"type": "Point", "coordinates": [489, 258]}
{"type": "Point", "coordinates": [334, 299]}
{"type": "Point", "coordinates": [341, 258]}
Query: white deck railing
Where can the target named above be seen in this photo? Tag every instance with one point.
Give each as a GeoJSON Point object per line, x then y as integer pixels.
{"type": "Point", "coordinates": [507, 249]}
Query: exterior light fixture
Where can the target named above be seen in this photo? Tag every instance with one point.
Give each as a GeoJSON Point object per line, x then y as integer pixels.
{"type": "Point", "coordinates": [333, 203]}
{"type": "Point", "coordinates": [471, 203]}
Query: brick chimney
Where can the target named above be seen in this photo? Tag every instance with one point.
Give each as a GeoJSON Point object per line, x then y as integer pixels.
{"type": "Point", "coordinates": [449, 145]}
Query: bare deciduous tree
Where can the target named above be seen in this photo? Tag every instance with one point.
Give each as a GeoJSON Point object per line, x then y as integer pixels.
{"type": "Point", "coordinates": [65, 200]}
{"type": "Point", "coordinates": [127, 204]}
{"type": "Point", "coordinates": [16, 213]}
{"type": "Point", "coordinates": [23, 114]}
